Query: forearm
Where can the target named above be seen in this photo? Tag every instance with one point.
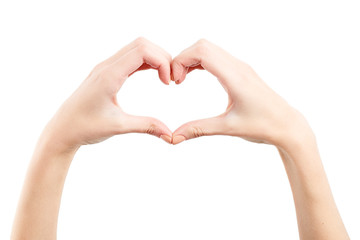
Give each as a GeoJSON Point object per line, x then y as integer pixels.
{"type": "Point", "coordinates": [90, 115]}
{"type": "Point", "coordinates": [38, 209]}
{"type": "Point", "coordinates": [317, 214]}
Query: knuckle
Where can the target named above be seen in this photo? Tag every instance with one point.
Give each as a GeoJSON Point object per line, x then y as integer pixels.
{"type": "Point", "coordinates": [197, 131]}
{"type": "Point", "coordinates": [98, 67]}
{"type": "Point", "coordinates": [106, 74]}
{"type": "Point", "coordinates": [169, 57]}
{"type": "Point", "coordinates": [151, 129]}
{"type": "Point", "coordinates": [202, 41]}
{"type": "Point", "coordinates": [143, 49]}
{"type": "Point", "coordinates": [140, 40]}
{"type": "Point", "coordinates": [202, 46]}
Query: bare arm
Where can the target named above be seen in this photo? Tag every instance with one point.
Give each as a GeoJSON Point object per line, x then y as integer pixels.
{"type": "Point", "coordinates": [317, 214]}
{"type": "Point", "coordinates": [256, 113]}
{"type": "Point", "coordinates": [90, 115]}
{"type": "Point", "coordinates": [38, 208]}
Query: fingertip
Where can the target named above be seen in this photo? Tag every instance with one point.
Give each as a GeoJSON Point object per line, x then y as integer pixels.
{"type": "Point", "coordinates": [172, 78]}
{"type": "Point", "coordinates": [163, 130]}
{"type": "Point", "coordinates": [164, 75]}
{"type": "Point", "coordinates": [164, 78]}
{"type": "Point", "coordinates": [166, 138]}
{"type": "Point", "coordinates": [178, 139]}
{"type": "Point", "coordinates": [177, 71]}
{"type": "Point", "coordinates": [181, 78]}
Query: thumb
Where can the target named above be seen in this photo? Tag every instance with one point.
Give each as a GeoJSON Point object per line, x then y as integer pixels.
{"type": "Point", "coordinates": [198, 128]}
{"type": "Point", "coordinates": [149, 125]}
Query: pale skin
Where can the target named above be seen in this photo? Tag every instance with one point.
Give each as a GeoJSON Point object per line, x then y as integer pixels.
{"type": "Point", "coordinates": [255, 113]}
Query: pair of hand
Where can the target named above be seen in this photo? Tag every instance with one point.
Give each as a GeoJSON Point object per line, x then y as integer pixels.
{"type": "Point", "coordinates": [254, 112]}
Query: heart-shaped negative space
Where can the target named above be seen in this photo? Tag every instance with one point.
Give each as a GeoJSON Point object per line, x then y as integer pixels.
{"type": "Point", "coordinates": [199, 96]}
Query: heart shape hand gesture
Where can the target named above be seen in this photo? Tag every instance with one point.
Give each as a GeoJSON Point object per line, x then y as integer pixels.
{"type": "Point", "coordinates": [254, 112]}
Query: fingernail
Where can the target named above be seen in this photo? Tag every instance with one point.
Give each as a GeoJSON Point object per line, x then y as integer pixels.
{"type": "Point", "coordinates": [178, 139]}
{"type": "Point", "coordinates": [166, 138]}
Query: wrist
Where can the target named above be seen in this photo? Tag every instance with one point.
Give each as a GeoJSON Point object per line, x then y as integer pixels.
{"type": "Point", "coordinates": [295, 134]}
{"type": "Point", "coordinates": [300, 152]}
{"type": "Point", "coordinates": [56, 140]}
{"type": "Point", "coordinates": [51, 148]}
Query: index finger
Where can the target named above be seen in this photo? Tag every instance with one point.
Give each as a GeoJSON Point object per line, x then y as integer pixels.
{"type": "Point", "coordinates": [203, 55]}
{"type": "Point", "coordinates": [137, 42]}
{"type": "Point", "coordinates": [137, 57]}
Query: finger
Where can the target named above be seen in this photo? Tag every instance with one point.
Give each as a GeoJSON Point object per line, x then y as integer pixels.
{"type": "Point", "coordinates": [198, 128]}
{"type": "Point", "coordinates": [143, 67]}
{"type": "Point", "coordinates": [152, 126]}
{"type": "Point", "coordinates": [187, 71]}
{"type": "Point", "coordinates": [142, 41]}
{"type": "Point", "coordinates": [137, 42]}
{"type": "Point", "coordinates": [204, 55]}
{"type": "Point", "coordinates": [137, 57]}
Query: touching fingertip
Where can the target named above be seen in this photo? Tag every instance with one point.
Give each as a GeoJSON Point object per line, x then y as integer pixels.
{"type": "Point", "coordinates": [166, 138]}
{"type": "Point", "coordinates": [178, 139]}
{"type": "Point", "coordinates": [169, 80]}
{"type": "Point", "coordinates": [166, 81]}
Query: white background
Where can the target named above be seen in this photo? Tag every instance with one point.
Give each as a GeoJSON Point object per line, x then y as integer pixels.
{"type": "Point", "coordinates": [138, 187]}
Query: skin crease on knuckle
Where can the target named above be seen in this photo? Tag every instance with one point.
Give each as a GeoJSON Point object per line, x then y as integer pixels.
{"type": "Point", "coordinates": [197, 131]}
{"type": "Point", "coordinates": [152, 130]}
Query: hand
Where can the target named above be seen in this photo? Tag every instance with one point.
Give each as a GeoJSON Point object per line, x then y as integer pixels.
{"type": "Point", "coordinates": [92, 114]}
{"type": "Point", "coordinates": [254, 112]}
